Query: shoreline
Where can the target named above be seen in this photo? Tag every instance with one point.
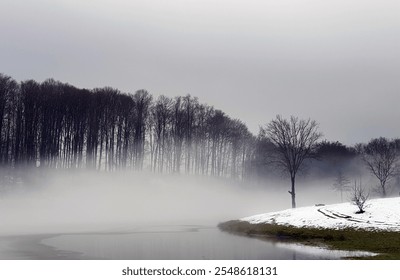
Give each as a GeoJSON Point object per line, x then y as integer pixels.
{"type": "Point", "coordinates": [30, 247]}
{"type": "Point", "coordinates": [345, 243]}
{"type": "Point", "coordinates": [377, 244]}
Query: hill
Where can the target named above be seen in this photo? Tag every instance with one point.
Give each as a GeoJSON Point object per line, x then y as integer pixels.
{"type": "Point", "coordinates": [380, 214]}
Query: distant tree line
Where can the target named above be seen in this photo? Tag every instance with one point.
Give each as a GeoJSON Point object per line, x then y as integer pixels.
{"type": "Point", "coordinates": [56, 125]}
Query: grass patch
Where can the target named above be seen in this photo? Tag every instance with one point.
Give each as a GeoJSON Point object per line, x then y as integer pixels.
{"type": "Point", "coordinates": [386, 244]}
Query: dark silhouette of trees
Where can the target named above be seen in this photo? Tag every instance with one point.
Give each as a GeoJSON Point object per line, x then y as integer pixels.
{"type": "Point", "coordinates": [160, 129]}
{"type": "Point", "coordinates": [295, 141]}
{"type": "Point", "coordinates": [8, 113]}
{"type": "Point", "coordinates": [56, 125]}
{"type": "Point", "coordinates": [260, 163]}
{"type": "Point", "coordinates": [334, 152]}
{"type": "Point", "coordinates": [142, 100]}
{"type": "Point", "coordinates": [190, 105]}
{"type": "Point", "coordinates": [333, 158]}
{"type": "Point", "coordinates": [29, 109]}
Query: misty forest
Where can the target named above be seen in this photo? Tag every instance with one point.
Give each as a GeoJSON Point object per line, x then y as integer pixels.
{"type": "Point", "coordinates": [54, 125]}
{"type": "Point", "coordinates": [104, 161]}
{"type": "Point", "coordinates": [194, 130]}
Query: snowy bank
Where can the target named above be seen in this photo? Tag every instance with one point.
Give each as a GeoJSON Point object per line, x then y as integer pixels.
{"type": "Point", "coordinates": [380, 214]}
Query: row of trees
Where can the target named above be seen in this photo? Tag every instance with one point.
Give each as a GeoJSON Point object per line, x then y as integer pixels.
{"type": "Point", "coordinates": [56, 125]}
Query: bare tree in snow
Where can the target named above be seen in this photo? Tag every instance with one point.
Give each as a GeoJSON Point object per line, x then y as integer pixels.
{"type": "Point", "coordinates": [295, 141]}
{"type": "Point", "coordinates": [359, 197]}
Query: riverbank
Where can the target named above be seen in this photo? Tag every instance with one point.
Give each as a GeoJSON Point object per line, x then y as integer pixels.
{"type": "Point", "coordinates": [334, 226]}
{"type": "Point", "coordinates": [385, 244]}
{"type": "Point", "coordinates": [31, 247]}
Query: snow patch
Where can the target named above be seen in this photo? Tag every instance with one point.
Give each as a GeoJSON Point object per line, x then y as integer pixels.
{"type": "Point", "coordinates": [380, 214]}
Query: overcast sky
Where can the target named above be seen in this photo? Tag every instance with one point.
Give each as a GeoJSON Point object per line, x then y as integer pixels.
{"type": "Point", "coordinates": [335, 61]}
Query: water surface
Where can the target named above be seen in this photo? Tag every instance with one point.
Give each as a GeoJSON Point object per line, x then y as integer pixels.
{"type": "Point", "coordinates": [186, 242]}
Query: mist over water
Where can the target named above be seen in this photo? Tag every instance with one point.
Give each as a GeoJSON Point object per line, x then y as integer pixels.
{"type": "Point", "coordinates": [60, 214]}
{"type": "Point", "coordinates": [65, 202]}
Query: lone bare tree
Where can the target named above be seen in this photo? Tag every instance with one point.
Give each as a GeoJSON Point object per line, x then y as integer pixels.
{"type": "Point", "coordinates": [381, 157]}
{"type": "Point", "coordinates": [341, 183]}
{"type": "Point", "coordinates": [295, 141]}
{"type": "Point", "coordinates": [359, 197]}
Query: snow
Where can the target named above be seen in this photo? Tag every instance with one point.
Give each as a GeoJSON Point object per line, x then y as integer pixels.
{"type": "Point", "coordinates": [380, 214]}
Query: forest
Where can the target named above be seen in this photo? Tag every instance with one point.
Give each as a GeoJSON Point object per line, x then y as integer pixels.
{"type": "Point", "coordinates": [56, 125]}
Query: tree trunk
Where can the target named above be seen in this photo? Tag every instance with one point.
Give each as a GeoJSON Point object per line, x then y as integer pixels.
{"type": "Point", "coordinates": [383, 191]}
{"type": "Point", "coordinates": [293, 193]}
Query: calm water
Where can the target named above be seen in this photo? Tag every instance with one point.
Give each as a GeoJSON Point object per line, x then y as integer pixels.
{"type": "Point", "coordinates": [179, 242]}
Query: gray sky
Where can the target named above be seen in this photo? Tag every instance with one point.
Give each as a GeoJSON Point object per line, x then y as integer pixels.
{"type": "Point", "coordinates": [336, 61]}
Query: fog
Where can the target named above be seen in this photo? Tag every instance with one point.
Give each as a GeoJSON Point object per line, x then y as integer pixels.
{"type": "Point", "coordinates": [72, 202]}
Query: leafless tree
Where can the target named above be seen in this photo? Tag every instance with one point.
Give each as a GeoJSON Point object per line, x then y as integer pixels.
{"type": "Point", "coordinates": [341, 184]}
{"type": "Point", "coordinates": [8, 104]}
{"type": "Point", "coordinates": [359, 197]}
{"type": "Point", "coordinates": [296, 141]}
{"type": "Point", "coordinates": [381, 157]}
{"type": "Point", "coordinates": [142, 100]}
{"type": "Point", "coordinates": [161, 115]}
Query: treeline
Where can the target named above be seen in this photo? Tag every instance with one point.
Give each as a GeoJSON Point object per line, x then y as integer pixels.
{"type": "Point", "coordinates": [56, 125]}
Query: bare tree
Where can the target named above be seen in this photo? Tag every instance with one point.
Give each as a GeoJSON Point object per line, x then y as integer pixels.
{"type": "Point", "coordinates": [8, 108]}
{"type": "Point", "coordinates": [341, 184]}
{"type": "Point", "coordinates": [142, 100]}
{"type": "Point", "coordinates": [381, 157]}
{"type": "Point", "coordinates": [161, 115]}
{"type": "Point", "coordinates": [296, 141]}
{"type": "Point", "coordinates": [359, 197]}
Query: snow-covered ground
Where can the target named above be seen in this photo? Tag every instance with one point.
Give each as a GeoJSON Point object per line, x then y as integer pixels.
{"type": "Point", "coordinates": [380, 214]}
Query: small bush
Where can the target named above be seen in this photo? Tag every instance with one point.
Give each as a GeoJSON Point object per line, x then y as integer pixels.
{"type": "Point", "coordinates": [359, 197]}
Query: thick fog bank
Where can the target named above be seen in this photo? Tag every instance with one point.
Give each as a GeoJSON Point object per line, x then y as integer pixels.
{"type": "Point", "coordinates": [60, 202]}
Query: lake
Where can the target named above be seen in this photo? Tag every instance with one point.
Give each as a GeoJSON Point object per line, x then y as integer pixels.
{"type": "Point", "coordinates": [183, 242]}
